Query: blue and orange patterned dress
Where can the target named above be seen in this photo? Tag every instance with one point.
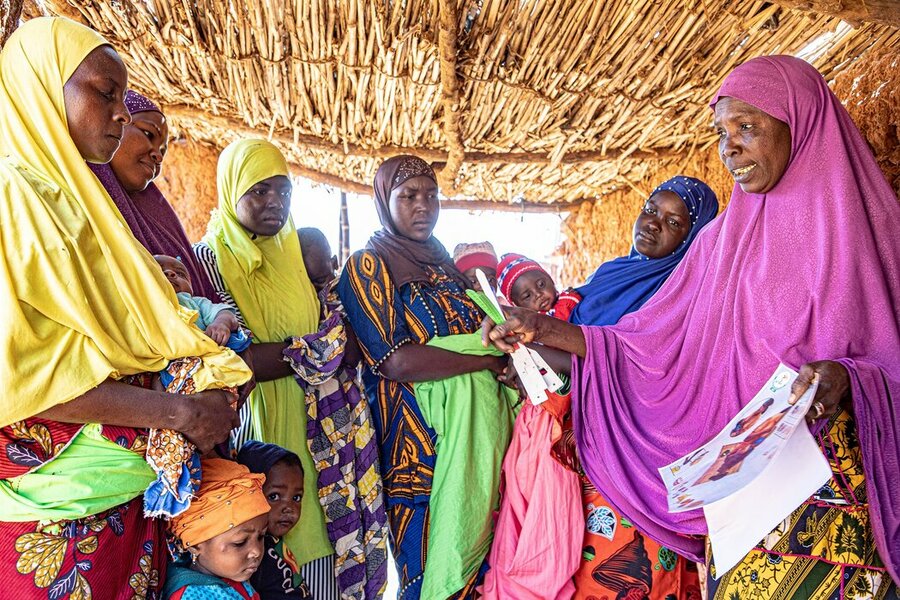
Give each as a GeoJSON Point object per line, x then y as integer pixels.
{"type": "Point", "coordinates": [385, 317]}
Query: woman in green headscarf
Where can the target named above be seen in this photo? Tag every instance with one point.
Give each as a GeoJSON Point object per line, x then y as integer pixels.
{"type": "Point", "coordinates": [252, 255]}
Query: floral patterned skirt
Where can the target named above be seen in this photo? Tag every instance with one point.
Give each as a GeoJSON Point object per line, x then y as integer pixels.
{"type": "Point", "coordinates": [820, 552]}
{"type": "Point", "coordinates": [618, 561]}
{"type": "Point", "coordinates": [114, 555]}
{"type": "Point", "coordinates": [117, 554]}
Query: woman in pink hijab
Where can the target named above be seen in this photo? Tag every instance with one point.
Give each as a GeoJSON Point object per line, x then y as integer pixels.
{"type": "Point", "coordinates": [803, 268]}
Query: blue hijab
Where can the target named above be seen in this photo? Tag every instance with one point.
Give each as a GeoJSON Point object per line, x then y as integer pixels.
{"type": "Point", "coordinates": [623, 285]}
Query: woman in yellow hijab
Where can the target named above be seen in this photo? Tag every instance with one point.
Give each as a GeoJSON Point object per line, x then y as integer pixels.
{"type": "Point", "coordinates": [85, 309]}
{"type": "Point", "coordinates": [252, 255]}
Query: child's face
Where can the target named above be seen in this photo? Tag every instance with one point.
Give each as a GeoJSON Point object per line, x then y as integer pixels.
{"type": "Point", "coordinates": [318, 260]}
{"type": "Point", "coordinates": [321, 268]}
{"type": "Point", "coordinates": [284, 491]}
{"type": "Point", "coordinates": [235, 554]}
{"type": "Point", "coordinates": [534, 290]}
{"type": "Point", "coordinates": [490, 273]}
{"type": "Point", "coordinates": [176, 273]}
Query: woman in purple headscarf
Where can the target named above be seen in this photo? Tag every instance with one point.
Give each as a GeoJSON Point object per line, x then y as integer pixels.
{"type": "Point", "coordinates": [801, 269]}
{"type": "Point", "coordinates": [129, 180]}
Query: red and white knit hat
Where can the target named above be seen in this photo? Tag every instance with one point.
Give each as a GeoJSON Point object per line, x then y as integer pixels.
{"type": "Point", "coordinates": [480, 254]}
{"type": "Point", "coordinates": [511, 267]}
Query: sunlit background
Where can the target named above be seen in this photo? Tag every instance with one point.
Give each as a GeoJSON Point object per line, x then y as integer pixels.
{"type": "Point", "coordinates": [536, 235]}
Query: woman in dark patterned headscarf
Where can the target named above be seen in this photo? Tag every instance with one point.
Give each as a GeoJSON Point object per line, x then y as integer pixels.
{"type": "Point", "coordinates": [401, 291]}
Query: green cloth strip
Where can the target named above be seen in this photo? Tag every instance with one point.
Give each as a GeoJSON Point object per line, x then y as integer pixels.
{"type": "Point", "coordinates": [91, 475]}
{"type": "Point", "coordinates": [473, 418]}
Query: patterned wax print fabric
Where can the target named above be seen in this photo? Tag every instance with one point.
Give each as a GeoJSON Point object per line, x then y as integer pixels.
{"type": "Point", "coordinates": [174, 459]}
{"type": "Point", "coordinates": [825, 549]}
{"type": "Point", "coordinates": [342, 442]}
{"type": "Point", "coordinates": [117, 549]}
{"type": "Point", "coordinates": [385, 317]}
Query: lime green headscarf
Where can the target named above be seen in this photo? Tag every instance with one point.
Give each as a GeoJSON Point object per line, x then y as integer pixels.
{"type": "Point", "coordinates": [268, 281]}
{"type": "Point", "coordinates": [81, 299]}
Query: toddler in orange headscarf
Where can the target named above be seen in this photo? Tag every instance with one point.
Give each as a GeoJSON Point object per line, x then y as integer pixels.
{"type": "Point", "coordinates": [223, 532]}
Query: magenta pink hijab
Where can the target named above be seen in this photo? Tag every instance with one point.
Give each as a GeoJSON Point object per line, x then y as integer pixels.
{"type": "Point", "coordinates": [809, 271]}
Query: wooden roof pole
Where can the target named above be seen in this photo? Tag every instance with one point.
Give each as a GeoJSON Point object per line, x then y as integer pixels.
{"type": "Point", "coordinates": [365, 190]}
{"type": "Point", "coordinates": [182, 112]}
{"type": "Point", "coordinates": [450, 96]}
{"type": "Point", "coordinates": [332, 180]}
{"type": "Point", "coordinates": [344, 237]}
{"type": "Point", "coordinates": [514, 207]}
{"type": "Point", "coordinates": [450, 204]}
{"type": "Point", "coordinates": [886, 12]}
{"type": "Point", "coordinates": [179, 112]}
{"type": "Point", "coordinates": [61, 8]}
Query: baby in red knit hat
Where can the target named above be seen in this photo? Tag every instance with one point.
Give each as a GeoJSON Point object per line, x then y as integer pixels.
{"type": "Point", "coordinates": [480, 255]}
{"type": "Point", "coordinates": [525, 283]}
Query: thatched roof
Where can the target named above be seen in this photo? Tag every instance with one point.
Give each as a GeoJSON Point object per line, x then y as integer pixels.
{"type": "Point", "coordinates": [535, 100]}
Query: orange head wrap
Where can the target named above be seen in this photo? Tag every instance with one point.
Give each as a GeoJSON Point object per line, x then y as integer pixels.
{"type": "Point", "coordinates": [229, 495]}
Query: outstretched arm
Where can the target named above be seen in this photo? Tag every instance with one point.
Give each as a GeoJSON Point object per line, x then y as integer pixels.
{"type": "Point", "coordinates": [526, 326]}
{"type": "Point", "coordinates": [268, 361]}
{"type": "Point", "coordinates": [414, 362]}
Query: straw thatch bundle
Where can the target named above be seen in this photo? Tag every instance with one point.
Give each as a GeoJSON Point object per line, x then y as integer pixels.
{"type": "Point", "coordinates": [538, 100]}
{"type": "Point", "coordinates": [601, 230]}
{"type": "Point", "coordinates": [870, 90]}
{"type": "Point", "coordinates": [577, 103]}
{"type": "Point", "coordinates": [10, 11]}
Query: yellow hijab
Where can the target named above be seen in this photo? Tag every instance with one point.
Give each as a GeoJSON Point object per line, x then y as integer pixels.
{"type": "Point", "coordinates": [268, 281]}
{"type": "Point", "coordinates": [81, 299]}
{"type": "Point", "coordinates": [265, 275]}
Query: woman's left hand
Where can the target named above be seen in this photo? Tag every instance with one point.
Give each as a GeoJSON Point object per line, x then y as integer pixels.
{"type": "Point", "coordinates": [834, 386]}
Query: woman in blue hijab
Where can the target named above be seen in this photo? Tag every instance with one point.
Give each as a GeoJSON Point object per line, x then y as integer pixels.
{"type": "Point", "coordinates": [669, 222]}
